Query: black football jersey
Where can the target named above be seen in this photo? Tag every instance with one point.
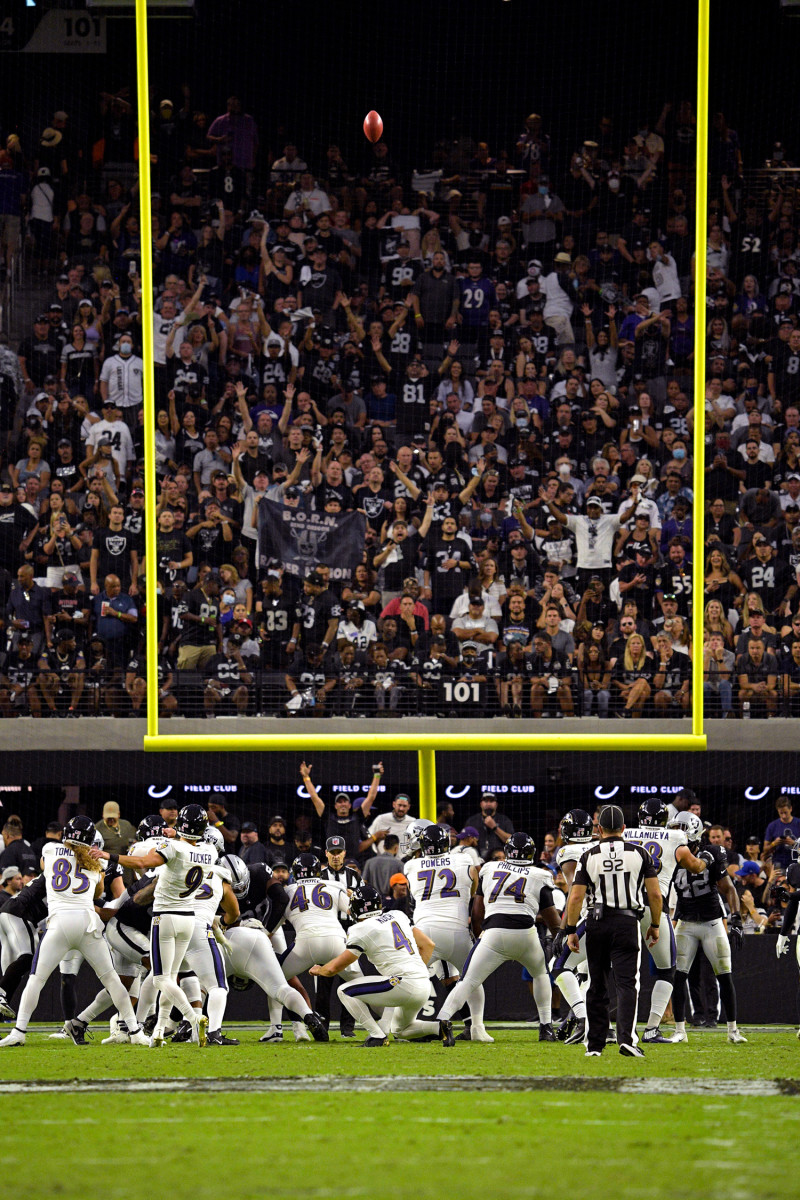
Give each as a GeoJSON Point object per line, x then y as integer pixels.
{"type": "Point", "coordinates": [697, 895]}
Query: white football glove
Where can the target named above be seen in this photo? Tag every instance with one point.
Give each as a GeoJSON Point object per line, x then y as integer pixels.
{"type": "Point", "coordinates": [783, 944]}
{"type": "Point", "coordinates": [251, 923]}
{"type": "Point", "coordinates": [216, 929]}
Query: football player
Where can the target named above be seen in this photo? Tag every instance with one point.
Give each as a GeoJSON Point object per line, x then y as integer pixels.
{"type": "Point", "coordinates": [18, 922]}
{"type": "Point", "coordinates": [315, 905]}
{"type": "Point", "coordinates": [700, 922]}
{"type": "Point", "coordinates": [566, 965]}
{"type": "Point", "coordinates": [442, 884]}
{"type": "Point", "coordinates": [511, 895]}
{"type": "Point", "coordinates": [400, 952]}
{"type": "Point", "coordinates": [190, 863]}
{"type": "Point", "coordinates": [73, 878]}
{"type": "Point", "coordinates": [789, 913]}
{"type": "Point", "coordinates": [669, 850]}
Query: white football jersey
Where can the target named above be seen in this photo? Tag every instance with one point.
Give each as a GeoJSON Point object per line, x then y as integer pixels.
{"type": "Point", "coordinates": [68, 886]}
{"type": "Point", "coordinates": [441, 887]}
{"type": "Point", "coordinates": [207, 898]}
{"type": "Point", "coordinates": [315, 906]}
{"type": "Point", "coordinates": [513, 889]}
{"type": "Point", "coordinates": [388, 942]}
{"type": "Point", "coordinates": [188, 865]}
{"type": "Point", "coordinates": [661, 845]}
{"type": "Point", "coordinates": [571, 852]}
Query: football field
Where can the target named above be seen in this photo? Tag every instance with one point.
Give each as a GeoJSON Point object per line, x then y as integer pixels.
{"type": "Point", "coordinates": [514, 1119]}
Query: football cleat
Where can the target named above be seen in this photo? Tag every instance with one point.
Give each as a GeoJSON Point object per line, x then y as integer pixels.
{"type": "Point", "coordinates": [201, 1031]}
{"type": "Point", "coordinates": [446, 1033]}
{"type": "Point", "coordinates": [273, 1034]}
{"type": "Point", "coordinates": [60, 1035]}
{"type": "Point", "coordinates": [139, 1038]}
{"type": "Point", "coordinates": [157, 1039]}
{"type": "Point", "coordinates": [300, 1032]}
{"type": "Point", "coordinates": [466, 1034]}
{"type": "Point", "coordinates": [679, 1037]}
{"type": "Point", "coordinates": [735, 1037]}
{"type": "Point", "coordinates": [547, 1033]}
{"type": "Point", "coordinates": [577, 1035]}
{"type": "Point", "coordinates": [593, 1054]}
{"type": "Point", "coordinates": [218, 1038]}
{"type": "Point", "coordinates": [631, 1051]}
{"type": "Point", "coordinates": [183, 1033]}
{"type": "Point", "coordinates": [119, 1035]}
{"type": "Point", "coordinates": [611, 1036]}
{"type": "Point", "coordinates": [15, 1038]}
{"type": "Point", "coordinates": [478, 1034]}
{"type": "Point", "coordinates": [6, 1011]}
{"type": "Point", "coordinates": [654, 1037]}
{"type": "Point", "coordinates": [77, 1031]}
{"type": "Point", "coordinates": [150, 1023]}
{"type": "Point", "coordinates": [565, 1027]}
{"type": "Point", "coordinates": [315, 1023]}
{"type": "Point", "coordinates": [371, 1042]}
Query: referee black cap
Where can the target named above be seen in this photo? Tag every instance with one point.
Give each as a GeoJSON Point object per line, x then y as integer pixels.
{"type": "Point", "coordinates": [611, 816]}
{"type": "Point", "coordinates": [336, 845]}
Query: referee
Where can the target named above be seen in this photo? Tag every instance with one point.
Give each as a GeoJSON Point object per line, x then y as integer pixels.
{"type": "Point", "coordinates": [335, 848]}
{"type": "Point", "coordinates": [616, 874]}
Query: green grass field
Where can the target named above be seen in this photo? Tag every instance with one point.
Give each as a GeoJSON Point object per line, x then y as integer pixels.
{"type": "Point", "coordinates": [687, 1120]}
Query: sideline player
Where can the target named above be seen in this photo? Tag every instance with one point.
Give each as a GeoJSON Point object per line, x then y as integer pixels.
{"type": "Point", "coordinates": [513, 893]}
{"type": "Point", "coordinates": [73, 879]}
{"type": "Point", "coordinates": [189, 863]}
{"type": "Point", "coordinates": [790, 912]}
{"type": "Point", "coordinates": [442, 884]}
{"type": "Point", "coordinates": [400, 952]}
{"type": "Point", "coordinates": [567, 965]}
{"type": "Point", "coordinates": [669, 850]}
{"type": "Point", "coordinates": [700, 922]}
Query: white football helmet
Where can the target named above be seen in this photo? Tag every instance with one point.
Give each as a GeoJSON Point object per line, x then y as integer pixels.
{"type": "Point", "coordinates": [214, 838]}
{"type": "Point", "coordinates": [690, 824]}
{"type": "Point", "coordinates": [239, 874]}
{"type": "Point", "coordinates": [98, 840]}
{"type": "Point", "coordinates": [411, 844]}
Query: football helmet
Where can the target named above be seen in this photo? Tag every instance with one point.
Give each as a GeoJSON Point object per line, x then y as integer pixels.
{"type": "Point", "coordinates": [150, 827]}
{"type": "Point", "coordinates": [80, 830]}
{"type": "Point", "coordinates": [520, 847]}
{"type": "Point", "coordinates": [413, 839]}
{"type": "Point", "coordinates": [98, 840]}
{"type": "Point", "coordinates": [795, 851]}
{"type": "Point", "coordinates": [239, 872]}
{"type": "Point", "coordinates": [306, 866]}
{"type": "Point", "coordinates": [653, 812]}
{"type": "Point", "coordinates": [192, 822]}
{"type": "Point", "coordinates": [691, 825]}
{"type": "Point", "coordinates": [576, 826]}
{"type": "Point", "coordinates": [214, 838]}
{"type": "Point", "coordinates": [434, 839]}
{"type": "Point", "coordinates": [365, 902]}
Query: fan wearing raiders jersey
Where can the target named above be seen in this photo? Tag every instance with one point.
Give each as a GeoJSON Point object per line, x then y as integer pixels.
{"type": "Point", "coordinates": [430, 669]}
{"type": "Point", "coordinates": [320, 369]}
{"type": "Point", "coordinates": [318, 614]}
{"type": "Point", "coordinates": [18, 686]}
{"type": "Point", "coordinates": [402, 347]}
{"type": "Point", "coordinates": [414, 393]}
{"type": "Point", "coordinates": [228, 679]}
{"type": "Point", "coordinates": [700, 923]}
{"type": "Point", "coordinates": [511, 896]}
{"type": "Point", "coordinates": [447, 565]}
{"type": "Point", "coordinates": [309, 680]}
{"type": "Point", "coordinates": [113, 553]}
{"type": "Point", "coordinates": [400, 273]}
{"type": "Point", "coordinates": [276, 614]}
{"type": "Point", "coordinates": [669, 850]}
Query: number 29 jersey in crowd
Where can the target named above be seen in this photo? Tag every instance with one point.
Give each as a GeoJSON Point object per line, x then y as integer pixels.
{"type": "Point", "coordinates": [514, 893]}
{"type": "Point", "coordinates": [661, 845]}
{"type": "Point", "coordinates": [441, 887]}
{"type": "Point", "coordinates": [68, 885]}
{"type": "Point", "coordinates": [187, 867]}
{"type": "Point", "coordinates": [388, 942]}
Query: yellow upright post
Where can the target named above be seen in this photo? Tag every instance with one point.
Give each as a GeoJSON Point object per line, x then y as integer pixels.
{"type": "Point", "coordinates": [699, 439]}
{"type": "Point", "coordinates": [145, 223]}
{"type": "Point", "coordinates": [426, 760]}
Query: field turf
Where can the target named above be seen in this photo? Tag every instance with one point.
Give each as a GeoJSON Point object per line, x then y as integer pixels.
{"type": "Point", "coordinates": [682, 1122]}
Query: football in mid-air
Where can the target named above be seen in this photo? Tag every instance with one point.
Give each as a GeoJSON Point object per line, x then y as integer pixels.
{"type": "Point", "coordinates": [373, 126]}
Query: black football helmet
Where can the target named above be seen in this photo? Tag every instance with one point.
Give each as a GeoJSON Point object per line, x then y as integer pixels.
{"type": "Point", "coordinates": [520, 847]}
{"type": "Point", "coordinates": [653, 812]}
{"type": "Point", "coordinates": [306, 866]}
{"type": "Point", "coordinates": [434, 839]}
{"type": "Point", "coordinates": [576, 826]}
{"type": "Point", "coordinates": [80, 830]}
{"type": "Point", "coordinates": [192, 821]}
{"type": "Point", "coordinates": [365, 902]}
{"type": "Point", "coordinates": [150, 827]}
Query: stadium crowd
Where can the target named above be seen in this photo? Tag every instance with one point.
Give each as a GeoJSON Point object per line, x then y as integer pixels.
{"type": "Point", "coordinates": [346, 847]}
{"type": "Point", "coordinates": [424, 438]}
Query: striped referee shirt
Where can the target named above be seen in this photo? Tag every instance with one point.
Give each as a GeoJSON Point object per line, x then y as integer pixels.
{"type": "Point", "coordinates": [613, 871]}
